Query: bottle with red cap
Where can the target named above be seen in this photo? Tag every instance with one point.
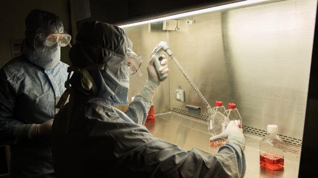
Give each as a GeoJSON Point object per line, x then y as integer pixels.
{"type": "Point", "coordinates": [233, 113]}
{"type": "Point", "coordinates": [217, 123]}
{"type": "Point", "coordinates": [219, 107]}
{"type": "Point", "coordinates": [217, 119]}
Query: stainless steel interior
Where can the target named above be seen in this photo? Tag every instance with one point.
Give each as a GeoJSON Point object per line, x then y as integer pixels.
{"type": "Point", "coordinates": [188, 132]}
{"type": "Point", "coordinates": [257, 57]}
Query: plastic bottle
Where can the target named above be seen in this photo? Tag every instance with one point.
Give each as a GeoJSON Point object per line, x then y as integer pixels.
{"type": "Point", "coordinates": [233, 113]}
{"type": "Point", "coordinates": [218, 123]}
{"type": "Point", "coordinates": [220, 115]}
{"type": "Point", "coordinates": [219, 107]}
{"type": "Point", "coordinates": [216, 119]}
{"type": "Point", "coordinates": [271, 154]}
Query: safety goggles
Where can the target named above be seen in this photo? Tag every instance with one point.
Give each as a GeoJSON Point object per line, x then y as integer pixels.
{"type": "Point", "coordinates": [134, 61]}
{"type": "Point", "coordinates": [62, 39]}
{"type": "Point", "coordinates": [130, 64]}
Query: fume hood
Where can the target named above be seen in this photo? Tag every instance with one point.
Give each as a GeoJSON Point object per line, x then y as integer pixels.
{"type": "Point", "coordinates": [255, 53]}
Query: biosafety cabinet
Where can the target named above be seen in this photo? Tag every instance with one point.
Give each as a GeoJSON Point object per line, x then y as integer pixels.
{"type": "Point", "coordinates": [259, 54]}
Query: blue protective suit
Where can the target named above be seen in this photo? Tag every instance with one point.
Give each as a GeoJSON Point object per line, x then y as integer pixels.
{"type": "Point", "coordinates": [91, 138]}
{"type": "Point", "coordinates": [28, 94]}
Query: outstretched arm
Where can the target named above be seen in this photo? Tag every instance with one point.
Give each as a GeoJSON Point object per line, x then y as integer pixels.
{"type": "Point", "coordinates": [139, 108]}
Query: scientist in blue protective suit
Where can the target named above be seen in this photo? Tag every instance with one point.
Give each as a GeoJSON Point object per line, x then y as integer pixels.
{"type": "Point", "coordinates": [92, 139]}
{"type": "Point", "coordinates": [30, 85]}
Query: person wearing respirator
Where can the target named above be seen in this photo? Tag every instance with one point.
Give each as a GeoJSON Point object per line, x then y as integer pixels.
{"type": "Point", "coordinates": [91, 138]}
{"type": "Point", "coordinates": [30, 86]}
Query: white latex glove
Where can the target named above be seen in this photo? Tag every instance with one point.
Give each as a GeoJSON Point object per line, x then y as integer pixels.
{"type": "Point", "coordinates": [153, 81]}
{"type": "Point", "coordinates": [152, 75]}
{"type": "Point", "coordinates": [43, 129]}
{"type": "Point", "coordinates": [232, 127]}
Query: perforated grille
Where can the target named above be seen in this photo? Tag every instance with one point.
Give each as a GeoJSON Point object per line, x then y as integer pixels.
{"type": "Point", "coordinates": [290, 141]}
{"type": "Point", "coordinates": [186, 113]}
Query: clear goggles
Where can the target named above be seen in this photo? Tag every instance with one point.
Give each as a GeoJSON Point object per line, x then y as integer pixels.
{"type": "Point", "coordinates": [134, 62]}
{"type": "Point", "coordinates": [62, 39]}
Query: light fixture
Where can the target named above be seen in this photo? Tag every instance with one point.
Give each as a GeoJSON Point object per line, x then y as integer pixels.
{"type": "Point", "coordinates": [201, 11]}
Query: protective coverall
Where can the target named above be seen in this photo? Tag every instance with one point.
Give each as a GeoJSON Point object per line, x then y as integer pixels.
{"type": "Point", "coordinates": [29, 88]}
{"type": "Point", "coordinates": [91, 138]}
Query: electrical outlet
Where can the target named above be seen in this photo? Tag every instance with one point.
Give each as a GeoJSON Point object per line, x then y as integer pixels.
{"type": "Point", "coordinates": [180, 95]}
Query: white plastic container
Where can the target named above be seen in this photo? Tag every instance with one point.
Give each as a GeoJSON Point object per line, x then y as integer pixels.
{"type": "Point", "coordinates": [271, 152]}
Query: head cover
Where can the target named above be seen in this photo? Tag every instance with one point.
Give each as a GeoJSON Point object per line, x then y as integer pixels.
{"type": "Point", "coordinates": [101, 57]}
{"type": "Point", "coordinates": [44, 35]}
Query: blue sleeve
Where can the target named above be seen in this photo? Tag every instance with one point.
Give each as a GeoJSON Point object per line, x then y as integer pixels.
{"type": "Point", "coordinates": [233, 150]}
{"type": "Point", "coordinates": [138, 109]}
{"type": "Point", "coordinates": [8, 124]}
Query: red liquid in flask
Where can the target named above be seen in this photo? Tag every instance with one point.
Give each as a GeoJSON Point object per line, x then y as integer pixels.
{"type": "Point", "coordinates": [271, 162]}
{"type": "Point", "coordinates": [217, 144]}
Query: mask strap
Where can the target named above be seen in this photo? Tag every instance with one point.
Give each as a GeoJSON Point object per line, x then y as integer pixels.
{"type": "Point", "coordinates": [67, 92]}
{"type": "Point", "coordinates": [87, 81]}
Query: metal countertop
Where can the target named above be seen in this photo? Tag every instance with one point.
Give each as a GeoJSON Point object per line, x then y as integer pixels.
{"type": "Point", "coordinates": [187, 132]}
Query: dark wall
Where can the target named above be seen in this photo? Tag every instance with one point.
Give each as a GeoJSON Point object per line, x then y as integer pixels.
{"type": "Point", "coordinates": [13, 14]}
{"type": "Point", "coordinates": [309, 154]}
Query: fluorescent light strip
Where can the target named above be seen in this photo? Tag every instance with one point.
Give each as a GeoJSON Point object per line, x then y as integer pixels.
{"type": "Point", "coordinates": [201, 11]}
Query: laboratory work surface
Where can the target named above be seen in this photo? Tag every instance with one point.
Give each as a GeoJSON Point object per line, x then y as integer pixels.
{"type": "Point", "coordinates": [188, 132]}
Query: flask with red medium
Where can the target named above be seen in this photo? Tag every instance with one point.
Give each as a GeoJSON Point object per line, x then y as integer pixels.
{"type": "Point", "coordinates": [271, 153]}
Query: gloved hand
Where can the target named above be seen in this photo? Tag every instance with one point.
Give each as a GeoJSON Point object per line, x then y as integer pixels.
{"type": "Point", "coordinates": [232, 127]}
{"type": "Point", "coordinates": [153, 81]}
{"type": "Point", "coordinates": [43, 129]}
{"type": "Point", "coordinates": [152, 75]}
